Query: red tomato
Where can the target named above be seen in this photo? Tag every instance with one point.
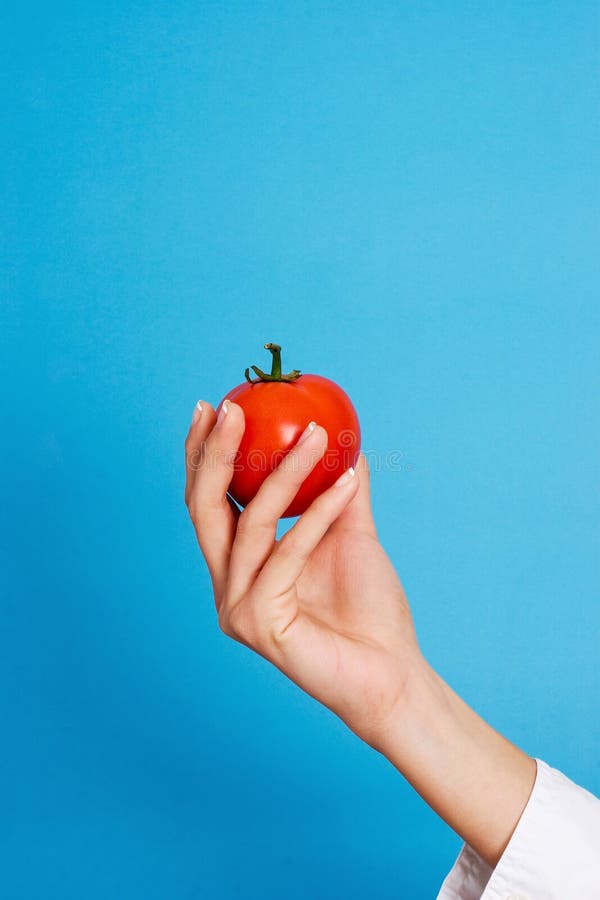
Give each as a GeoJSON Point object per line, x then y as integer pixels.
{"type": "Point", "coordinates": [277, 409]}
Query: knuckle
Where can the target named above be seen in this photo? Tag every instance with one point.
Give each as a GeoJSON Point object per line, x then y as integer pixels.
{"type": "Point", "coordinates": [292, 470]}
{"type": "Point", "coordinates": [194, 457]}
{"type": "Point", "coordinates": [244, 519]}
{"type": "Point", "coordinates": [224, 621]}
{"type": "Point", "coordinates": [327, 501]}
{"type": "Point", "coordinates": [290, 549]}
{"type": "Point", "coordinates": [239, 622]}
{"type": "Point", "coordinates": [252, 520]}
{"type": "Point", "coordinates": [234, 620]}
{"type": "Point", "coordinates": [190, 444]}
{"type": "Point", "coordinates": [191, 502]}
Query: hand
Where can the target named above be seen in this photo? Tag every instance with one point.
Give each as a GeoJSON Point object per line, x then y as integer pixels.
{"type": "Point", "coordinates": [324, 603]}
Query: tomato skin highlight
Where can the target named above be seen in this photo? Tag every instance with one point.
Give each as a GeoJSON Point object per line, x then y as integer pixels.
{"type": "Point", "coordinates": [276, 415]}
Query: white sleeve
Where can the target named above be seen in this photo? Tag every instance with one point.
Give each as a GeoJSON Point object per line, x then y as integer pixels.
{"type": "Point", "coordinates": [553, 854]}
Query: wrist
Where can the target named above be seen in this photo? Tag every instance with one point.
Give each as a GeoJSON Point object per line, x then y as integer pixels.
{"type": "Point", "coordinates": [419, 705]}
{"type": "Point", "coordinates": [475, 779]}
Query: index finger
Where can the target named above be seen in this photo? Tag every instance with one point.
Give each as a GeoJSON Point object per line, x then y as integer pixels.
{"type": "Point", "coordinates": [210, 509]}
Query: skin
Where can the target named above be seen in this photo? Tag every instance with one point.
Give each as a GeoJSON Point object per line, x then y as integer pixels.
{"type": "Point", "coordinates": [325, 605]}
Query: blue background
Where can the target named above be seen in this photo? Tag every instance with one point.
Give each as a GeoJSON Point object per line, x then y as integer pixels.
{"type": "Point", "coordinates": [405, 195]}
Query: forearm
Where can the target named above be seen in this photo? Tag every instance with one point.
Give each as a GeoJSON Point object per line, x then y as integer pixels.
{"type": "Point", "coordinates": [474, 778]}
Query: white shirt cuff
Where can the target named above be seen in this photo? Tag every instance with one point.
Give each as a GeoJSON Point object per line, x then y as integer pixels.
{"type": "Point", "coordinates": [553, 854]}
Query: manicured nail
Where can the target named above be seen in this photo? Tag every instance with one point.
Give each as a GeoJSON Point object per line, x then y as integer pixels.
{"type": "Point", "coordinates": [306, 433]}
{"type": "Point", "coordinates": [223, 411]}
{"type": "Point", "coordinates": [345, 478]}
{"type": "Point", "coordinates": [197, 412]}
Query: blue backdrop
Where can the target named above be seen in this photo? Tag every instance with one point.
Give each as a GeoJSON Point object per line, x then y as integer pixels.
{"type": "Point", "coordinates": [404, 195]}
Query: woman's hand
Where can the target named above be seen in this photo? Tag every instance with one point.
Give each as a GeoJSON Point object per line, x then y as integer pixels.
{"type": "Point", "coordinates": [324, 603]}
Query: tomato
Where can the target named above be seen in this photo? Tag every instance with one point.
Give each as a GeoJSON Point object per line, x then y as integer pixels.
{"type": "Point", "coordinates": [277, 409]}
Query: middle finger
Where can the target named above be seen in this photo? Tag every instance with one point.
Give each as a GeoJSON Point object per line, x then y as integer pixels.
{"type": "Point", "coordinates": [257, 524]}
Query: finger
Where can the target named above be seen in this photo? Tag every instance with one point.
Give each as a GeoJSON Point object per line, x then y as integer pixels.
{"type": "Point", "coordinates": [211, 511]}
{"type": "Point", "coordinates": [257, 525]}
{"type": "Point", "coordinates": [359, 514]}
{"type": "Point", "coordinates": [203, 419]}
{"type": "Point", "coordinates": [287, 561]}
{"type": "Point", "coordinates": [269, 618]}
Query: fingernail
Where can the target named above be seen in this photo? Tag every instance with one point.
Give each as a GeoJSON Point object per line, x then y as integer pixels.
{"type": "Point", "coordinates": [345, 478]}
{"type": "Point", "coordinates": [306, 433]}
{"type": "Point", "coordinates": [197, 412]}
{"type": "Point", "coordinates": [223, 411]}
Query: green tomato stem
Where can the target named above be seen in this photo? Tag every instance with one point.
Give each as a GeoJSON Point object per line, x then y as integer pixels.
{"type": "Point", "coordinates": [275, 351]}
